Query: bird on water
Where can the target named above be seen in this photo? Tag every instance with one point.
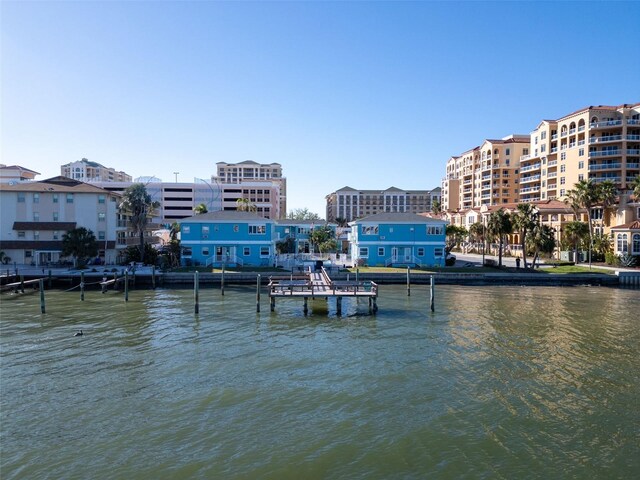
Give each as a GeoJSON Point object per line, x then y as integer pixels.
{"type": "Point", "coordinates": [78, 333]}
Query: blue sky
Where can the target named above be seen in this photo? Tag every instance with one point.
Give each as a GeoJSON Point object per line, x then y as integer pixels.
{"type": "Point", "coordinates": [366, 94]}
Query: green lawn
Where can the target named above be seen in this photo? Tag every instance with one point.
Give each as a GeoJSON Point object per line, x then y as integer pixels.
{"type": "Point", "coordinates": [575, 269]}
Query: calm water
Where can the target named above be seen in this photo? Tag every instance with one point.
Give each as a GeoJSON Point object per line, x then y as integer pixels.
{"type": "Point", "coordinates": [504, 382]}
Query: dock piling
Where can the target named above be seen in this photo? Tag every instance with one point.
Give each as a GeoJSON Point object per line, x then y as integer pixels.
{"type": "Point", "coordinates": [82, 286]}
{"type": "Point", "coordinates": [258, 294]}
{"type": "Point", "coordinates": [42, 306]}
{"type": "Point", "coordinates": [196, 293]}
{"type": "Point", "coordinates": [222, 282]}
{"type": "Point", "coordinates": [432, 290]}
{"type": "Point", "coordinates": [126, 286]}
{"type": "Point", "coordinates": [408, 281]}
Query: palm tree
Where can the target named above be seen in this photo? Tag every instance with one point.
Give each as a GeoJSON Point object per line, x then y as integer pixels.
{"type": "Point", "coordinates": [635, 185]}
{"type": "Point", "coordinates": [607, 194]}
{"type": "Point", "coordinates": [81, 244]}
{"type": "Point", "coordinates": [541, 240]}
{"type": "Point", "coordinates": [576, 231]}
{"type": "Point", "coordinates": [585, 194]}
{"type": "Point", "coordinates": [200, 209]}
{"type": "Point", "coordinates": [498, 226]}
{"type": "Point", "coordinates": [436, 207]}
{"type": "Point", "coordinates": [524, 220]}
{"type": "Point", "coordinates": [245, 205]}
{"type": "Point", "coordinates": [137, 203]}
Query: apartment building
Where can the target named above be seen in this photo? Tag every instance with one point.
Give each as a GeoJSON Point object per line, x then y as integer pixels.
{"type": "Point", "coordinates": [265, 196]}
{"type": "Point", "coordinates": [596, 143]}
{"type": "Point", "coordinates": [350, 204]}
{"type": "Point", "coordinates": [87, 171]}
{"type": "Point", "coordinates": [16, 173]}
{"type": "Point", "coordinates": [260, 176]}
{"type": "Point", "coordinates": [484, 175]}
{"type": "Point", "coordinates": [35, 216]}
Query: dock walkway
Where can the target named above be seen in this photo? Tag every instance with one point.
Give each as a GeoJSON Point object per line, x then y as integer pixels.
{"type": "Point", "coordinates": [319, 284]}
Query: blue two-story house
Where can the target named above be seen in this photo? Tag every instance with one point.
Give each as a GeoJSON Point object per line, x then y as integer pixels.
{"type": "Point", "coordinates": [398, 239]}
{"type": "Point", "coordinates": [231, 238]}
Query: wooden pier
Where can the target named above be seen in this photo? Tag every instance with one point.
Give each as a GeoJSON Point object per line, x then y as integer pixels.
{"type": "Point", "coordinates": [319, 284]}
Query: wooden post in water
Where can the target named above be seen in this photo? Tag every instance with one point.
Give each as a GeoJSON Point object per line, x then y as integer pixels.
{"type": "Point", "coordinates": [258, 294]}
{"type": "Point", "coordinates": [50, 279]}
{"type": "Point", "coordinates": [115, 281]}
{"type": "Point", "coordinates": [82, 286]}
{"type": "Point", "coordinates": [196, 293]}
{"type": "Point", "coordinates": [42, 309]}
{"type": "Point", "coordinates": [153, 277]}
{"type": "Point", "coordinates": [22, 283]}
{"type": "Point", "coordinates": [222, 281]}
{"type": "Point", "coordinates": [357, 274]}
{"type": "Point", "coordinates": [432, 290]}
{"type": "Point", "coordinates": [126, 286]}
{"type": "Point", "coordinates": [305, 309]}
{"type": "Point", "coordinates": [408, 281]}
{"type": "Point", "coordinates": [375, 305]}
{"type": "Point", "coordinates": [273, 304]}
{"type": "Point", "coordinates": [338, 305]}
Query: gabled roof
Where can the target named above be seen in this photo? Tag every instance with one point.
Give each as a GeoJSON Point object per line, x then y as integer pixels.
{"type": "Point", "coordinates": [635, 225]}
{"type": "Point", "coordinates": [393, 189]}
{"type": "Point", "coordinates": [396, 217]}
{"type": "Point", "coordinates": [226, 216]}
{"type": "Point", "coordinates": [17, 167]}
{"type": "Point", "coordinates": [56, 184]}
{"type": "Point", "coordinates": [289, 221]}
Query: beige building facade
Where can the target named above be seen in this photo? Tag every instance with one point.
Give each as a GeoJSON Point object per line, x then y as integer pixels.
{"type": "Point", "coordinates": [87, 171]}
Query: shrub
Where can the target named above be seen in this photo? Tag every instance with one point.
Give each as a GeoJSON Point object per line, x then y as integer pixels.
{"type": "Point", "coordinates": [611, 258]}
{"type": "Point", "coordinates": [627, 260]}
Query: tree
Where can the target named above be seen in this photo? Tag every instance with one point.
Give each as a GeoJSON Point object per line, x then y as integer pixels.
{"type": "Point", "coordinates": [245, 205]}
{"type": "Point", "coordinates": [342, 222]}
{"type": "Point", "coordinates": [200, 209]}
{"type": "Point", "coordinates": [541, 240]}
{"type": "Point", "coordinates": [81, 244]}
{"type": "Point", "coordinates": [524, 220]}
{"type": "Point", "coordinates": [302, 214]}
{"type": "Point", "coordinates": [132, 253]}
{"type": "Point", "coordinates": [4, 258]}
{"type": "Point", "coordinates": [575, 232]}
{"type": "Point", "coordinates": [585, 194]}
{"type": "Point", "coordinates": [454, 234]}
{"type": "Point", "coordinates": [498, 226]}
{"type": "Point", "coordinates": [324, 238]}
{"type": "Point", "coordinates": [607, 195]}
{"type": "Point", "coordinates": [137, 204]}
{"type": "Point", "coordinates": [635, 185]}
{"type": "Point", "coordinates": [436, 207]}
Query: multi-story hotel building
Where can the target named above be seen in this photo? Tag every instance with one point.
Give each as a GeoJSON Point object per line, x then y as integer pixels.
{"type": "Point", "coordinates": [86, 171]}
{"type": "Point", "coordinates": [596, 143]}
{"type": "Point", "coordinates": [250, 176]}
{"type": "Point", "coordinates": [484, 175]}
{"type": "Point", "coordinates": [35, 216]}
{"type": "Point", "coordinates": [350, 204]}
{"type": "Point", "coordinates": [16, 173]}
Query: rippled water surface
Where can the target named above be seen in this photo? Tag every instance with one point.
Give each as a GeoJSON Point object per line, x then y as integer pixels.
{"type": "Point", "coordinates": [504, 382]}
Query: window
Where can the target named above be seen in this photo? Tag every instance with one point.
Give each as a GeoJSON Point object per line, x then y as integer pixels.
{"type": "Point", "coordinates": [370, 229]}
{"type": "Point", "coordinates": [438, 252]}
{"type": "Point", "coordinates": [36, 198]}
{"type": "Point", "coordinates": [21, 235]}
{"type": "Point", "coordinates": [562, 192]}
{"type": "Point", "coordinates": [561, 180]}
{"type": "Point", "coordinates": [264, 251]}
{"type": "Point", "coordinates": [507, 151]}
{"type": "Point", "coordinates": [246, 251]}
{"type": "Point", "coordinates": [205, 251]}
{"type": "Point", "coordinates": [364, 252]}
{"type": "Point", "coordinates": [36, 235]}
{"type": "Point", "coordinates": [236, 228]}
{"type": "Point", "coordinates": [20, 197]}
{"type": "Point", "coordinates": [581, 164]}
{"type": "Point", "coordinates": [563, 156]}
{"type": "Point", "coordinates": [205, 232]}
{"type": "Point", "coordinates": [101, 198]}
{"type": "Point", "coordinates": [622, 245]}
{"type": "Point", "coordinates": [186, 252]}
{"type": "Point", "coordinates": [55, 198]}
{"type": "Point", "coordinates": [102, 217]}
{"type": "Point", "coordinates": [563, 168]}
{"type": "Point", "coordinates": [635, 244]}
{"type": "Point", "coordinates": [434, 230]}
{"type": "Point", "coordinates": [55, 216]}
{"type": "Point", "coordinates": [581, 152]}
{"type": "Point", "coordinates": [421, 251]}
{"type": "Point", "coordinates": [101, 235]}
{"type": "Point", "coordinates": [56, 236]}
{"type": "Point", "coordinates": [185, 229]}
{"type": "Point", "coordinates": [257, 229]}
{"type": "Point", "coordinates": [381, 251]}
{"type": "Point", "coordinates": [36, 217]}
{"type": "Point", "coordinates": [69, 197]}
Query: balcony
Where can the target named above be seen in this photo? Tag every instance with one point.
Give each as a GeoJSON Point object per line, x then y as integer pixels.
{"type": "Point", "coordinates": [581, 142]}
{"type": "Point", "coordinates": [633, 151]}
{"type": "Point", "coordinates": [552, 186]}
{"type": "Point", "coordinates": [530, 178]}
{"type": "Point", "coordinates": [605, 153]}
{"type": "Point", "coordinates": [633, 137]}
{"type": "Point", "coordinates": [605, 166]}
{"type": "Point", "coordinates": [529, 189]}
{"type": "Point", "coordinates": [581, 128]}
{"type": "Point", "coordinates": [552, 163]}
{"type": "Point", "coordinates": [608, 123]}
{"type": "Point", "coordinates": [633, 166]}
{"type": "Point", "coordinates": [535, 166]}
{"type": "Point", "coordinates": [633, 121]}
{"type": "Point", "coordinates": [552, 174]}
{"type": "Point", "coordinates": [563, 134]}
{"type": "Point", "coordinates": [554, 149]}
{"type": "Point", "coordinates": [609, 138]}
{"type": "Point", "coordinates": [572, 131]}
{"type": "Point", "coordinates": [602, 179]}
{"type": "Point", "coordinates": [554, 136]}
{"type": "Point", "coordinates": [524, 158]}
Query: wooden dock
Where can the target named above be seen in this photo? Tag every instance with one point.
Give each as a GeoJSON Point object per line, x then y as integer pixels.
{"type": "Point", "coordinates": [319, 284]}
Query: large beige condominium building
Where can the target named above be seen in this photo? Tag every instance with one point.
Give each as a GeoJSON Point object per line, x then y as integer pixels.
{"type": "Point", "coordinates": [35, 216]}
{"type": "Point", "coordinates": [484, 175]}
{"type": "Point", "coordinates": [350, 204]}
{"type": "Point", "coordinates": [594, 143]}
{"type": "Point", "coordinates": [86, 171]}
{"type": "Point", "coordinates": [264, 173]}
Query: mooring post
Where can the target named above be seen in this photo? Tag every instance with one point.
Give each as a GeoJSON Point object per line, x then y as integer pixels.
{"type": "Point", "coordinates": [222, 281]}
{"type": "Point", "coordinates": [115, 281]}
{"type": "Point", "coordinates": [306, 306]}
{"type": "Point", "coordinates": [273, 304]}
{"type": "Point", "coordinates": [196, 286]}
{"type": "Point", "coordinates": [338, 305]}
{"type": "Point", "coordinates": [357, 274]}
{"type": "Point", "coordinates": [375, 305]}
{"type": "Point", "coordinates": [408, 281]}
{"type": "Point", "coordinates": [126, 286]}
{"type": "Point", "coordinates": [22, 283]}
{"type": "Point", "coordinates": [50, 279]}
{"type": "Point", "coordinates": [82, 286]}
{"type": "Point", "coordinates": [432, 289]}
{"type": "Point", "coordinates": [258, 294]}
{"type": "Point", "coordinates": [42, 309]}
{"type": "Point", "coordinates": [153, 277]}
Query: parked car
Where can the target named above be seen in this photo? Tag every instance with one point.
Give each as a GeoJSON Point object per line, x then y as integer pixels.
{"type": "Point", "coordinates": [450, 260]}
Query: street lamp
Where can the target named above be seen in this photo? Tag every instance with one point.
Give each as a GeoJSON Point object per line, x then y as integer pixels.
{"type": "Point", "coordinates": [176, 174]}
